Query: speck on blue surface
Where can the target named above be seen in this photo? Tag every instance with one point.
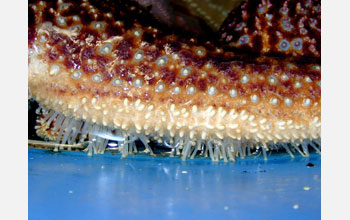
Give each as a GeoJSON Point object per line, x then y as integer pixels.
{"type": "Point", "coordinates": [72, 185]}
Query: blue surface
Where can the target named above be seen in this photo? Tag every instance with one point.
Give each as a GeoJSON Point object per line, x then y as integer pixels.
{"type": "Point", "coordinates": [71, 185]}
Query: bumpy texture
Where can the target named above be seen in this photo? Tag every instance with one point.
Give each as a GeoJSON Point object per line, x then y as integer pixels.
{"type": "Point", "coordinates": [275, 27]}
{"type": "Point", "coordinates": [108, 63]}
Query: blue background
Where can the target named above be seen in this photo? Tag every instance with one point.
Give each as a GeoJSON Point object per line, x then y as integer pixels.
{"type": "Point", "coordinates": [71, 185]}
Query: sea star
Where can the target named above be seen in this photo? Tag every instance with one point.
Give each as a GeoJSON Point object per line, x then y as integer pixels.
{"type": "Point", "coordinates": [105, 70]}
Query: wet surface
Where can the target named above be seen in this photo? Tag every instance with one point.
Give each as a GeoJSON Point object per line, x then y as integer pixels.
{"type": "Point", "coordinates": [71, 185]}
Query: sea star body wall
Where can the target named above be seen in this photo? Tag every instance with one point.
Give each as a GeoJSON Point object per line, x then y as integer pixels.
{"type": "Point", "coordinates": [101, 64]}
{"type": "Point", "coordinates": [290, 28]}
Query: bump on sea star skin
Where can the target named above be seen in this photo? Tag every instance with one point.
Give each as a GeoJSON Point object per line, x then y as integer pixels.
{"type": "Point", "coordinates": [139, 78]}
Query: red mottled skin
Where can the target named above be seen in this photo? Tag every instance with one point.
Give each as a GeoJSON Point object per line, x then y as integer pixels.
{"type": "Point", "coordinates": [268, 22]}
